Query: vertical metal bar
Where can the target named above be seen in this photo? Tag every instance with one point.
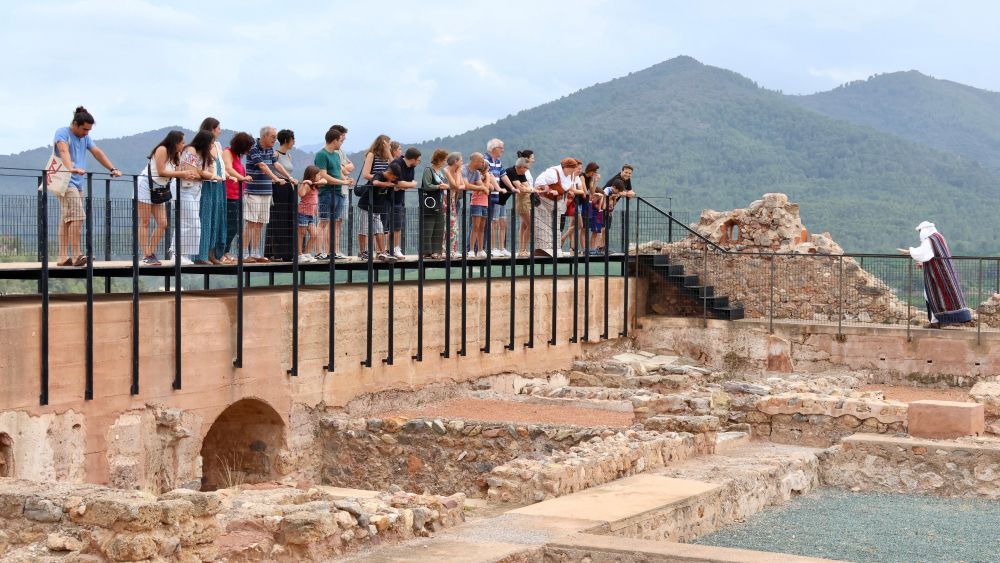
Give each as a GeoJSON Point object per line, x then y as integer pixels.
{"type": "Point", "coordinates": [770, 310]}
{"type": "Point", "coordinates": [349, 209]}
{"type": "Point", "coordinates": [177, 292]}
{"type": "Point", "coordinates": [43, 202]}
{"type": "Point", "coordinates": [238, 361]}
{"type": "Point", "coordinates": [979, 325]}
{"type": "Point", "coordinates": [909, 297]}
{"type": "Point", "coordinates": [371, 275]}
{"type": "Point", "coordinates": [465, 271]}
{"type": "Point", "coordinates": [670, 226]}
{"type": "Point", "coordinates": [390, 314]}
{"type": "Point", "coordinates": [531, 284]}
{"type": "Point", "coordinates": [704, 276]}
{"type": "Point", "coordinates": [134, 390]}
{"type": "Point", "coordinates": [294, 370]}
{"type": "Point", "coordinates": [447, 276]}
{"type": "Point", "coordinates": [577, 222]}
{"type": "Point", "coordinates": [586, 280]}
{"type": "Point", "coordinates": [89, 225]}
{"type": "Point", "coordinates": [513, 271]}
{"type": "Point", "coordinates": [107, 231]}
{"type": "Point", "coordinates": [607, 255]}
{"type": "Point", "coordinates": [488, 244]}
{"type": "Point", "coordinates": [556, 245]}
{"type": "Point", "coordinates": [625, 264]}
{"type": "Point", "coordinates": [331, 298]}
{"type": "Point", "coordinates": [840, 298]}
{"type": "Point", "coordinates": [422, 244]}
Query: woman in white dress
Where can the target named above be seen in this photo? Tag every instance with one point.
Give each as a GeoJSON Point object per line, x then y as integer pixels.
{"type": "Point", "coordinates": [197, 158]}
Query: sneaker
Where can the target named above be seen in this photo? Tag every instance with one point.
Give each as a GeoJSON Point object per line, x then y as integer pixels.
{"type": "Point", "coordinates": [151, 260]}
{"type": "Point", "coordinates": [506, 253]}
{"type": "Point", "coordinates": [321, 256]}
{"type": "Point", "coordinates": [398, 253]}
{"type": "Point", "coordinates": [386, 257]}
{"type": "Point", "coordinates": [496, 253]}
{"type": "Point", "coordinates": [481, 254]}
{"type": "Point", "coordinates": [363, 255]}
{"type": "Point", "coordinates": [339, 256]}
{"type": "Point", "coordinates": [306, 258]}
{"type": "Point", "coordinates": [185, 261]}
{"type": "Point", "coordinates": [456, 255]}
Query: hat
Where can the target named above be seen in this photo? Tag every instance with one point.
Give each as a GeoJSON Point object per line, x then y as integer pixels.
{"type": "Point", "coordinates": [925, 225]}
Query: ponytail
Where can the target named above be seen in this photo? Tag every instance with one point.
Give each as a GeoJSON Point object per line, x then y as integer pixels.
{"type": "Point", "coordinates": [82, 116]}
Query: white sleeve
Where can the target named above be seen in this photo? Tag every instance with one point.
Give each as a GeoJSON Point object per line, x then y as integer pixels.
{"type": "Point", "coordinates": [924, 252]}
{"type": "Point", "coordinates": [546, 178]}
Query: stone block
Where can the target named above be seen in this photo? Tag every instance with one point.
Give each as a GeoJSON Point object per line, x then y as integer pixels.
{"type": "Point", "coordinates": [945, 419]}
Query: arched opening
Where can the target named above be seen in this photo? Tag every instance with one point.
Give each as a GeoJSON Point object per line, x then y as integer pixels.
{"type": "Point", "coordinates": [242, 446]}
{"type": "Point", "coordinates": [731, 232]}
{"type": "Point", "coordinates": [6, 455]}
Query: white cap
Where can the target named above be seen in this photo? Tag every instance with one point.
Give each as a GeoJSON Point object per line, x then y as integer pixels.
{"type": "Point", "coordinates": [925, 225]}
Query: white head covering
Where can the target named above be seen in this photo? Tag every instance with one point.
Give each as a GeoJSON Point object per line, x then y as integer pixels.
{"type": "Point", "coordinates": [926, 229]}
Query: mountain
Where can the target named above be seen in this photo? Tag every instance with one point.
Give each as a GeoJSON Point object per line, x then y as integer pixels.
{"type": "Point", "coordinates": [711, 138]}
{"type": "Point", "coordinates": [938, 113]}
{"type": "Point", "coordinates": [128, 153]}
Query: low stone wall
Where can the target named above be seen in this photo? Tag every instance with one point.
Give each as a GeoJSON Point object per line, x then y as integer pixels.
{"type": "Point", "coordinates": [955, 468]}
{"type": "Point", "coordinates": [645, 403]}
{"type": "Point", "coordinates": [593, 462]}
{"type": "Point", "coordinates": [58, 519]}
{"type": "Point", "coordinates": [287, 524]}
{"type": "Point", "coordinates": [436, 455]}
{"type": "Point", "coordinates": [812, 420]}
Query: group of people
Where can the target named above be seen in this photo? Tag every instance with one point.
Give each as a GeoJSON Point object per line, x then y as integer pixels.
{"type": "Point", "coordinates": [282, 212]}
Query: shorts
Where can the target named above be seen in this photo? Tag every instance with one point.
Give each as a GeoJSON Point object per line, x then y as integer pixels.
{"type": "Point", "coordinates": [477, 211]}
{"type": "Point", "coordinates": [376, 220]}
{"type": "Point", "coordinates": [71, 205]}
{"type": "Point", "coordinates": [398, 218]}
{"type": "Point", "coordinates": [257, 208]}
{"type": "Point", "coordinates": [331, 205]}
{"type": "Point", "coordinates": [523, 204]}
{"type": "Point", "coordinates": [306, 220]}
{"type": "Point", "coordinates": [498, 211]}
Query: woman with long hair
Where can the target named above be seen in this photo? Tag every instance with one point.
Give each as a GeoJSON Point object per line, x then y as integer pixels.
{"type": "Point", "coordinates": [433, 193]}
{"type": "Point", "coordinates": [236, 178]}
{"type": "Point", "coordinates": [197, 158]}
{"type": "Point", "coordinates": [453, 175]}
{"type": "Point", "coordinates": [163, 165]}
{"type": "Point", "coordinates": [376, 160]}
{"type": "Point", "coordinates": [212, 208]}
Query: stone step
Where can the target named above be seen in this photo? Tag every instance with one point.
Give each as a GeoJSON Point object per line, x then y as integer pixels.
{"type": "Point", "coordinates": [729, 440]}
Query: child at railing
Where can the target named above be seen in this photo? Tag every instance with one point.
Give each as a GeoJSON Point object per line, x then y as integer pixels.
{"type": "Point", "coordinates": [596, 222]}
{"type": "Point", "coordinates": [308, 206]}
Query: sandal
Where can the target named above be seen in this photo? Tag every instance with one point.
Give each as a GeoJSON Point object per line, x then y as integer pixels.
{"type": "Point", "coordinates": [81, 260]}
{"type": "Point", "coordinates": [202, 263]}
{"type": "Point", "coordinates": [66, 262]}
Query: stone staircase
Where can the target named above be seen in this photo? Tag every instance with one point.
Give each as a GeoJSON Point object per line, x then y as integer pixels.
{"type": "Point", "coordinates": [699, 294]}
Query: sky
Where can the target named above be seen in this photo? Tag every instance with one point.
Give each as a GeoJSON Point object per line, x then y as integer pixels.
{"type": "Point", "coordinates": [420, 70]}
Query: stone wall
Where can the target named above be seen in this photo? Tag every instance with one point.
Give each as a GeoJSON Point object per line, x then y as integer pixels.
{"type": "Point", "coordinates": [953, 468]}
{"type": "Point", "coordinates": [812, 420]}
{"type": "Point", "coordinates": [588, 464]}
{"type": "Point", "coordinates": [436, 455]}
{"type": "Point", "coordinates": [155, 449]}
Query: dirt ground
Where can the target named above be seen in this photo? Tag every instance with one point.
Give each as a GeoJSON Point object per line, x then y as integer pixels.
{"type": "Point", "coordinates": [910, 394]}
{"type": "Point", "coordinates": [509, 411]}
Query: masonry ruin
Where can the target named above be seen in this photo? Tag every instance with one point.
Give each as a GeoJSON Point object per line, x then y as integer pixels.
{"type": "Point", "coordinates": [626, 449]}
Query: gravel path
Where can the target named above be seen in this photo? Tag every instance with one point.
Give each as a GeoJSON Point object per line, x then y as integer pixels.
{"type": "Point", "coordinates": [509, 411]}
{"type": "Point", "coordinates": [871, 527]}
{"type": "Point", "coordinates": [910, 394]}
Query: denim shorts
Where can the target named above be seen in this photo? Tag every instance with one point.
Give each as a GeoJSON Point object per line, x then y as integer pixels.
{"type": "Point", "coordinates": [477, 211]}
{"type": "Point", "coordinates": [331, 204]}
{"type": "Point", "coordinates": [306, 220]}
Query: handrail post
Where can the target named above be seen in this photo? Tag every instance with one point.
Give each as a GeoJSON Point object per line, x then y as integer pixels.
{"type": "Point", "coordinates": [909, 298]}
{"type": "Point", "coordinates": [704, 280]}
{"type": "Point", "coordinates": [465, 271]}
{"type": "Point", "coordinates": [178, 331]}
{"type": "Point", "coordinates": [43, 254]}
{"type": "Point", "coordinates": [840, 297]}
{"type": "Point", "coordinates": [422, 247]}
{"type": "Point", "coordinates": [331, 298]}
{"type": "Point", "coordinates": [488, 245]}
{"type": "Point", "coordinates": [531, 282]}
{"type": "Point", "coordinates": [514, 245]}
{"type": "Point", "coordinates": [625, 264]}
{"type": "Point", "coordinates": [89, 225]}
{"type": "Point", "coordinates": [556, 248]}
{"type": "Point", "coordinates": [452, 202]}
{"type": "Point", "coordinates": [770, 312]}
{"type": "Point", "coordinates": [238, 361]}
{"type": "Point", "coordinates": [107, 231]}
{"type": "Point", "coordinates": [135, 286]}
{"type": "Point", "coordinates": [390, 310]}
{"type": "Point", "coordinates": [293, 371]}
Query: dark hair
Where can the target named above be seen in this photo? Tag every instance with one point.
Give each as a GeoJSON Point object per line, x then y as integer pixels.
{"type": "Point", "coordinates": [333, 135]}
{"type": "Point", "coordinates": [209, 124]}
{"type": "Point", "coordinates": [310, 172]}
{"type": "Point", "coordinates": [618, 184]}
{"type": "Point", "coordinates": [340, 128]}
{"type": "Point", "coordinates": [628, 167]}
{"type": "Point", "coordinates": [285, 135]}
{"type": "Point", "coordinates": [241, 144]}
{"type": "Point", "coordinates": [591, 167]}
{"type": "Point", "coordinates": [170, 142]}
{"type": "Point", "coordinates": [412, 153]}
{"type": "Point", "coordinates": [526, 153]}
{"type": "Point", "coordinates": [81, 116]}
{"type": "Point", "coordinates": [202, 145]}
{"type": "Point", "coordinates": [395, 170]}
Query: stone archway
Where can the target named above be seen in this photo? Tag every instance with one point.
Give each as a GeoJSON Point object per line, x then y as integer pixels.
{"type": "Point", "coordinates": [6, 455]}
{"type": "Point", "coordinates": [242, 446]}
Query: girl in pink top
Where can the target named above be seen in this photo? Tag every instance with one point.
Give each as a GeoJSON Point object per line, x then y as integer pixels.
{"type": "Point", "coordinates": [308, 206]}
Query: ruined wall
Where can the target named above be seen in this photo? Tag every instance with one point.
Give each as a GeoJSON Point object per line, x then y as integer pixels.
{"type": "Point", "coordinates": [47, 447]}
{"type": "Point", "coordinates": [155, 449]}
{"type": "Point", "coordinates": [963, 468]}
{"type": "Point", "coordinates": [811, 420]}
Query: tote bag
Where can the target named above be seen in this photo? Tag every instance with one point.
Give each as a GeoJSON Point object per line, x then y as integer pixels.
{"type": "Point", "coordinates": [57, 176]}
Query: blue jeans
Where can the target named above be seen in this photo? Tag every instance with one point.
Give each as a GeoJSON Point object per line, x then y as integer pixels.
{"type": "Point", "coordinates": [331, 205]}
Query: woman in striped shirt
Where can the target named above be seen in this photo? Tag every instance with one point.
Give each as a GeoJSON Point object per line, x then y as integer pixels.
{"type": "Point", "coordinates": [376, 160]}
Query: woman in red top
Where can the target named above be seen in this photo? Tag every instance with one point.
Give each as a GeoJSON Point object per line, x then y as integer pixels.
{"type": "Point", "coordinates": [236, 175]}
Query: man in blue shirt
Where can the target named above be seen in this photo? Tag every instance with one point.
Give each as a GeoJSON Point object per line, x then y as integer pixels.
{"type": "Point", "coordinates": [71, 145]}
{"type": "Point", "coordinates": [498, 200]}
{"type": "Point", "coordinates": [257, 203]}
